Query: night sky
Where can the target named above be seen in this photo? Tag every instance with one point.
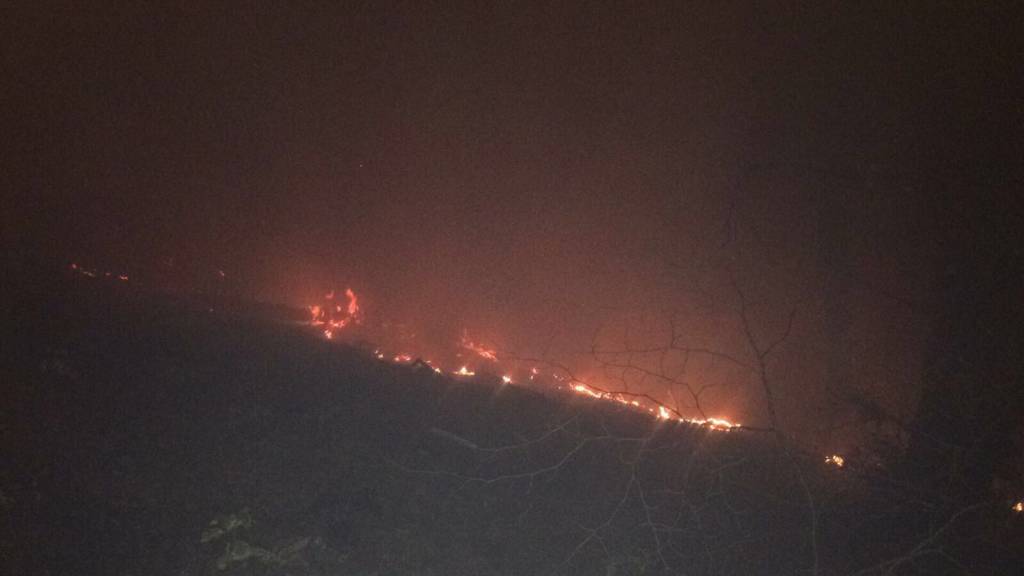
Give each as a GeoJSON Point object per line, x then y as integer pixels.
{"type": "Point", "coordinates": [532, 173]}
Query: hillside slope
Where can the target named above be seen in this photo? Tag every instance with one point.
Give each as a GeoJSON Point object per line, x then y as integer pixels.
{"type": "Point", "coordinates": [146, 434]}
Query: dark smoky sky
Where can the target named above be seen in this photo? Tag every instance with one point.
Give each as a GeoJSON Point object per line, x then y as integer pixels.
{"type": "Point", "coordinates": [529, 172]}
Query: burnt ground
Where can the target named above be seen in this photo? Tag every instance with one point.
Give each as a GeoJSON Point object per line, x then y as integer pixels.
{"type": "Point", "coordinates": [149, 434]}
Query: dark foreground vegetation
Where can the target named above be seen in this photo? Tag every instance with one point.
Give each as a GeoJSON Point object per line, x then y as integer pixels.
{"type": "Point", "coordinates": [149, 435]}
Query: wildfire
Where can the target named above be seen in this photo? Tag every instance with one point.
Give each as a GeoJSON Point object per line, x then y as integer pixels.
{"type": "Point", "coordinates": [353, 303]}
{"type": "Point", "coordinates": [661, 412]}
{"type": "Point", "coordinates": [836, 460]}
{"type": "Point", "coordinates": [332, 317]}
{"type": "Point", "coordinates": [478, 349]}
{"type": "Point", "coordinates": [94, 273]}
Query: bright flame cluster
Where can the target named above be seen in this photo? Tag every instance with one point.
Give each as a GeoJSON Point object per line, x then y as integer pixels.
{"type": "Point", "coordinates": [835, 460]}
{"type": "Point", "coordinates": [332, 316]}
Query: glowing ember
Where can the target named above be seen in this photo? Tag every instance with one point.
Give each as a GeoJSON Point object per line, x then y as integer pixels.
{"type": "Point", "coordinates": [334, 315]}
{"type": "Point", "coordinates": [583, 389]}
{"type": "Point", "coordinates": [93, 273]}
{"type": "Point", "coordinates": [403, 358]}
{"type": "Point", "coordinates": [506, 379]}
{"type": "Point", "coordinates": [328, 334]}
{"type": "Point", "coordinates": [1018, 506]}
{"type": "Point", "coordinates": [464, 371]}
{"type": "Point", "coordinates": [479, 349]}
{"type": "Point", "coordinates": [353, 303]}
{"type": "Point", "coordinates": [836, 460]}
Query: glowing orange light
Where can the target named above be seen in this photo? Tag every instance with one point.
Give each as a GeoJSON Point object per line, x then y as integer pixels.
{"type": "Point", "coordinates": [353, 303]}
{"type": "Point", "coordinates": [479, 349]}
{"type": "Point", "coordinates": [1019, 506]}
{"type": "Point", "coordinates": [336, 316]}
{"type": "Point", "coordinates": [123, 278]}
{"type": "Point", "coordinates": [333, 317]}
{"type": "Point", "coordinates": [583, 389]}
{"type": "Point", "coordinates": [836, 460]}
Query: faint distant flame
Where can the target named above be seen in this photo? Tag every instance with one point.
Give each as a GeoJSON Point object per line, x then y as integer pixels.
{"type": "Point", "coordinates": [1018, 506]}
{"type": "Point", "coordinates": [93, 273]}
{"type": "Point", "coordinates": [353, 303]}
{"type": "Point", "coordinates": [464, 371]}
{"type": "Point", "coordinates": [836, 460]}
{"type": "Point", "coordinates": [479, 349]}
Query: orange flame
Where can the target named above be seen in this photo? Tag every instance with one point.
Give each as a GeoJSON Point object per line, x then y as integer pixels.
{"type": "Point", "coordinates": [353, 303]}
{"type": "Point", "coordinates": [327, 316]}
{"type": "Point", "coordinates": [836, 460]}
{"type": "Point", "coordinates": [479, 349]}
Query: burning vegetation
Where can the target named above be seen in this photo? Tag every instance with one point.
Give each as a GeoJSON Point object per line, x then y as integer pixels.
{"type": "Point", "coordinates": [330, 317]}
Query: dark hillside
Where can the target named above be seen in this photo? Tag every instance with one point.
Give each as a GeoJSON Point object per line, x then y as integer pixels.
{"type": "Point", "coordinates": [145, 434]}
